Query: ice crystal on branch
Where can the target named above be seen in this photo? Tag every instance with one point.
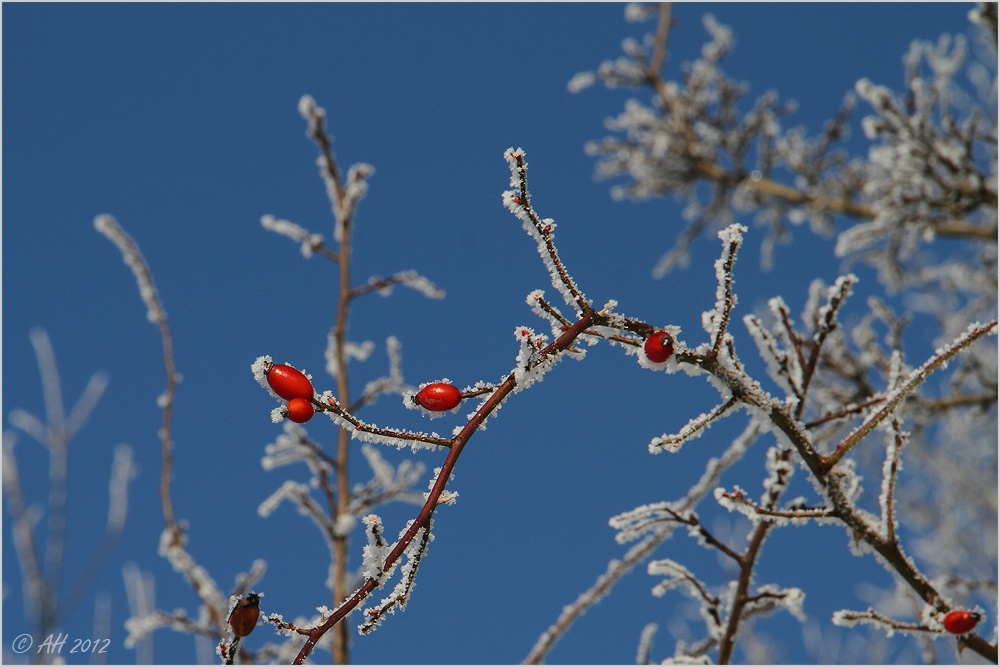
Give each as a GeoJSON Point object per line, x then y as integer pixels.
{"type": "Point", "coordinates": [310, 242]}
{"type": "Point", "coordinates": [518, 202]}
{"type": "Point", "coordinates": [376, 550]}
{"type": "Point", "coordinates": [400, 595]}
{"type": "Point", "coordinates": [132, 256]}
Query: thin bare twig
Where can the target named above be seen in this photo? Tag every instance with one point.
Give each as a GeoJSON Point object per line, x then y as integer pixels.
{"type": "Point", "coordinates": [147, 290]}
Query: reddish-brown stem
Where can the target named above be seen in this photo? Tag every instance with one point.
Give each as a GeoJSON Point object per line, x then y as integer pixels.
{"type": "Point", "coordinates": [740, 600]}
{"type": "Point", "coordinates": [423, 517]}
{"type": "Point", "coordinates": [341, 638]}
{"type": "Point", "coordinates": [361, 426]}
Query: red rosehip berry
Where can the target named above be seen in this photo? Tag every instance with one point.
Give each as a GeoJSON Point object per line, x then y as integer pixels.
{"type": "Point", "coordinates": [659, 347]}
{"type": "Point", "coordinates": [288, 382]}
{"type": "Point", "coordinates": [243, 618]}
{"type": "Point", "coordinates": [300, 410]}
{"type": "Point", "coordinates": [439, 396]}
{"type": "Point", "coordinates": [961, 622]}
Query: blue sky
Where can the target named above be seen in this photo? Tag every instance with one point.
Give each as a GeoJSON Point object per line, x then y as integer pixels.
{"type": "Point", "coordinates": [181, 121]}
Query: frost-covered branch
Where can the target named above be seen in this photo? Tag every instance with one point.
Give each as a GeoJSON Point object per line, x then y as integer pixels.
{"type": "Point", "coordinates": [409, 279]}
{"type": "Point", "coordinates": [518, 202]}
{"type": "Point", "coordinates": [725, 300]}
{"type": "Point", "coordinates": [652, 525]}
{"type": "Point", "coordinates": [917, 376]}
{"type": "Point", "coordinates": [310, 242]}
{"type": "Point", "coordinates": [155, 313]}
{"type": "Point", "coordinates": [693, 429]}
{"type": "Point", "coordinates": [694, 131]}
{"type": "Point", "coordinates": [43, 579]}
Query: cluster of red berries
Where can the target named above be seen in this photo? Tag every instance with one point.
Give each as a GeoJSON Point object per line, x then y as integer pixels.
{"type": "Point", "coordinates": [659, 347]}
{"type": "Point", "coordinates": [295, 388]}
{"type": "Point", "coordinates": [291, 385]}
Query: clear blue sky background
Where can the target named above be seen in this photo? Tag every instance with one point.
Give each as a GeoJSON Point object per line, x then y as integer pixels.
{"type": "Point", "coordinates": [181, 121]}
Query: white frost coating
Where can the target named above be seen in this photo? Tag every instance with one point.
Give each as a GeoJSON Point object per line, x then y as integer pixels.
{"type": "Point", "coordinates": [384, 472]}
{"type": "Point", "coordinates": [528, 368]}
{"type": "Point", "coordinates": [534, 299]}
{"type": "Point", "coordinates": [725, 297]}
{"type": "Point", "coordinates": [789, 599]}
{"type": "Point", "coordinates": [309, 241]}
{"type": "Point", "coordinates": [846, 618]}
{"type": "Point", "coordinates": [400, 594]}
{"type": "Point", "coordinates": [777, 359]}
{"type": "Point", "coordinates": [298, 494]}
{"type": "Point", "coordinates": [581, 81]}
{"type": "Point", "coordinates": [615, 570]}
{"type": "Point", "coordinates": [361, 351]}
{"type": "Point", "coordinates": [779, 473]}
{"type": "Point", "coordinates": [890, 471]}
{"type": "Point", "coordinates": [730, 505]}
{"type": "Point", "coordinates": [393, 384]}
{"type": "Point", "coordinates": [388, 483]}
{"type": "Point", "coordinates": [277, 416]}
{"type": "Point", "coordinates": [357, 351]}
{"type": "Point", "coordinates": [140, 626]}
{"type": "Point", "coordinates": [107, 225]}
{"type": "Point", "coordinates": [676, 575]}
{"type": "Point", "coordinates": [636, 12]}
{"type": "Point", "coordinates": [918, 375]}
{"type": "Point", "coordinates": [354, 192]}
{"type": "Point", "coordinates": [695, 428]}
{"type": "Point", "coordinates": [715, 466]}
{"type": "Point", "coordinates": [315, 117]}
{"type": "Point", "coordinates": [722, 39]}
{"type": "Point", "coordinates": [659, 518]}
{"type": "Point", "coordinates": [836, 294]}
{"type": "Point", "coordinates": [259, 370]}
{"type": "Point", "coordinates": [286, 490]}
{"type": "Point", "coordinates": [895, 369]}
{"type": "Point", "coordinates": [172, 543]}
{"type": "Point", "coordinates": [793, 368]}
{"type": "Point", "coordinates": [289, 448]}
{"type": "Point", "coordinates": [542, 235]}
{"type": "Point", "coordinates": [417, 282]}
{"type": "Point", "coordinates": [307, 107]}
{"type": "Point", "coordinates": [387, 436]}
{"type": "Point", "coordinates": [376, 551]}
{"type": "Point", "coordinates": [433, 480]}
{"type": "Point", "coordinates": [645, 644]}
{"type": "Point", "coordinates": [344, 524]}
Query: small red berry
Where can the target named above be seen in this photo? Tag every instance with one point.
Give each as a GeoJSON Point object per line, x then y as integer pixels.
{"type": "Point", "coordinates": [300, 410]}
{"type": "Point", "coordinates": [961, 622]}
{"type": "Point", "coordinates": [659, 347]}
{"type": "Point", "coordinates": [288, 382]}
{"type": "Point", "coordinates": [439, 396]}
{"type": "Point", "coordinates": [243, 618]}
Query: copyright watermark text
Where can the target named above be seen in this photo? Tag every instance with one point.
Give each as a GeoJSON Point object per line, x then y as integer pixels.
{"type": "Point", "coordinates": [55, 643]}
